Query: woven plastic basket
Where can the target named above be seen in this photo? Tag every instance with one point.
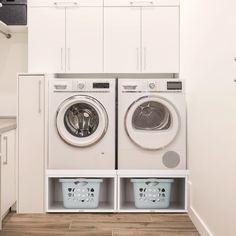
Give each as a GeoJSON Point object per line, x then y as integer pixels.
{"type": "Point", "coordinates": [152, 193]}
{"type": "Point", "coordinates": [81, 193]}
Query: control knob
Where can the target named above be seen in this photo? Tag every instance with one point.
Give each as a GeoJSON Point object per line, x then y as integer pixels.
{"type": "Point", "coordinates": [81, 85]}
{"type": "Point", "coordinates": [152, 85]}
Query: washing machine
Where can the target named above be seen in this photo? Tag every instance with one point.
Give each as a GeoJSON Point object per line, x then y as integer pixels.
{"type": "Point", "coordinates": [81, 129]}
{"type": "Point", "coordinates": [151, 124]}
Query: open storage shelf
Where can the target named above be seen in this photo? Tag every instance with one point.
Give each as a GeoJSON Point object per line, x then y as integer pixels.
{"type": "Point", "coordinates": [116, 190]}
{"type": "Point", "coordinates": [9, 29]}
{"type": "Point", "coordinates": [126, 198]}
{"type": "Point", "coordinates": [54, 194]}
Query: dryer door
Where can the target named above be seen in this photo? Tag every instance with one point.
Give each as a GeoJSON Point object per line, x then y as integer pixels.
{"type": "Point", "coordinates": [81, 121]}
{"type": "Point", "coordinates": [152, 122]}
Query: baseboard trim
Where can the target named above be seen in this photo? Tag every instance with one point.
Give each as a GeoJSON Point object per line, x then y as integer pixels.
{"type": "Point", "coordinates": [199, 223]}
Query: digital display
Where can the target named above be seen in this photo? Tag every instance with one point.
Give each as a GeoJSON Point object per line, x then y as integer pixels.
{"type": "Point", "coordinates": [174, 85]}
{"type": "Point", "coordinates": [101, 85]}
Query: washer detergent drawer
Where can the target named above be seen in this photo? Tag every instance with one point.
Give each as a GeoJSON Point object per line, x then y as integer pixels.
{"type": "Point", "coordinates": [14, 12]}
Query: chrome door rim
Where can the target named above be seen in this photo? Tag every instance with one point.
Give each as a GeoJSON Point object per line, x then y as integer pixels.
{"type": "Point", "coordinates": [66, 136]}
{"type": "Point", "coordinates": [159, 99]}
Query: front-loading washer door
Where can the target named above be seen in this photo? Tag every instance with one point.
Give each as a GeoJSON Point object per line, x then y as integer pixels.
{"type": "Point", "coordinates": [81, 121]}
{"type": "Point", "coordinates": [152, 122]}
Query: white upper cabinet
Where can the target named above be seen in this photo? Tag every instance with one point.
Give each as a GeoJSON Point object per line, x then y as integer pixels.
{"type": "Point", "coordinates": [122, 39]}
{"type": "Point", "coordinates": [65, 39]}
{"type": "Point", "coordinates": [135, 3]}
{"type": "Point", "coordinates": [46, 40]}
{"type": "Point", "coordinates": [64, 3]}
{"type": "Point", "coordinates": [141, 39]}
{"type": "Point", "coordinates": [84, 39]}
{"type": "Point", "coordinates": [160, 40]}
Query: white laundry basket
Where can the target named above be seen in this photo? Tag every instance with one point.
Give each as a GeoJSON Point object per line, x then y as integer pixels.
{"type": "Point", "coordinates": [81, 193]}
{"type": "Point", "coordinates": [152, 193]}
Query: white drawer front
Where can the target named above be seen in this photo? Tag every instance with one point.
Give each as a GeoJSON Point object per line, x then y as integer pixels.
{"type": "Point", "coordinates": [64, 3]}
{"type": "Point", "coordinates": [142, 3]}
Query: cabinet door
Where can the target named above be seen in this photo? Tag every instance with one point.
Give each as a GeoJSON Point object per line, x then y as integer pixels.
{"type": "Point", "coordinates": [46, 39]}
{"type": "Point", "coordinates": [65, 3]}
{"type": "Point", "coordinates": [122, 39]}
{"type": "Point", "coordinates": [31, 144]}
{"type": "Point", "coordinates": [8, 181]}
{"type": "Point", "coordinates": [160, 39]}
{"type": "Point", "coordinates": [135, 3]}
{"type": "Point", "coordinates": [84, 39]}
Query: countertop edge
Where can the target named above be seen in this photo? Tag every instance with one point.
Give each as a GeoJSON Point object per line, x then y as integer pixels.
{"type": "Point", "coordinates": [7, 128]}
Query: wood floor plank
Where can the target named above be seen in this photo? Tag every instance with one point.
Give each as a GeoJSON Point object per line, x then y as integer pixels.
{"type": "Point", "coordinates": [98, 225]}
{"type": "Point", "coordinates": [152, 233]}
{"type": "Point", "coordinates": [83, 217]}
{"type": "Point", "coordinates": [132, 225]}
{"type": "Point", "coordinates": [170, 218]}
{"type": "Point", "coordinates": [53, 233]}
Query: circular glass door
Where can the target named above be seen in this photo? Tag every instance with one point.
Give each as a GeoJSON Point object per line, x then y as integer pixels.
{"type": "Point", "coordinates": [152, 122]}
{"type": "Point", "coordinates": [81, 121]}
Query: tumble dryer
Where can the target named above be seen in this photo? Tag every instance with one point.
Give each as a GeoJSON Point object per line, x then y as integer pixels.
{"type": "Point", "coordinates": [151, 124]}
{"type": "Point", "coordinates": [81, 124]}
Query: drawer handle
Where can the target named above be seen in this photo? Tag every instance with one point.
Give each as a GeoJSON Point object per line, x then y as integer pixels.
{"type": "Point", "coordinates": [6, 156]}
{"type": "Point", "coordinates": [65, 4]}
{"type": "Point", "coordinates": [141, 2]}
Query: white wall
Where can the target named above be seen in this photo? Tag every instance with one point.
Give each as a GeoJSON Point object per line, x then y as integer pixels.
{"type": "Point", "coordinates": [208, 49]}
{"type": "Point", "coordinates": [13, 59]}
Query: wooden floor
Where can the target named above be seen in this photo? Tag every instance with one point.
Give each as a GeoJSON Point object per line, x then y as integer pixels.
{"type": "Point", "coordinates": [99, 225]}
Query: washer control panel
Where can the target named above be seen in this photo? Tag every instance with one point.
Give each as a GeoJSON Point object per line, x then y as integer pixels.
{"type": "Point", "coordinates": [81, 85]}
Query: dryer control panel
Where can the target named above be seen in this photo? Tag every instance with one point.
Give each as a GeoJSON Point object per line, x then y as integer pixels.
{"type": "Point", "coordinates": [152, 85]}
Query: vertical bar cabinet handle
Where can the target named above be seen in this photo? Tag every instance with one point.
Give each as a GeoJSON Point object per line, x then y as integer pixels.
{"type": "Point", "coordinates": [137, 51]}
{"type": "Point", "coordinates": [61, 59]}
{"type": "Point", "coordinates": [39, 97]}
{"type": "Point", "coordinates": [68, 52]}
{"type": "Point", "coordinates": [6, 156]}
{"type": "Point", "coordinates": [144, 58]}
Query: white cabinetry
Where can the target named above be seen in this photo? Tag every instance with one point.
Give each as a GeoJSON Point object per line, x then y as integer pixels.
{"type": "Point", "coordinates": [31, 144]}
{"type": "Point", "coordinates": [141, 39]}
{"type": "Point", "coordinates": [64, 3]}
{"type": "Point", "coordinates": [160, 39]}
{"type": "Point", "coordinates": [7, 172]}
{"type": "Point", "coordinates": [122, 39]}
{"type": "Point", "coordinates": [120, 36]}
{"type": "Point", "coordinates": [145, 3]}
{"type": "Point", "coordinates": [84, 39]}
{"type": "Point", "coordinates": [46, 38]}
{"type": "Point", "coordinates": [65, 37]}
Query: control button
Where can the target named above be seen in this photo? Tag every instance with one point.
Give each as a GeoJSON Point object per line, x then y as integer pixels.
{"type": "Point", "coordinates": [152, 85]}
{"type": "Point", "coordinates": [81, 85]}
{"type": "Point", "coordinates": [129, 87]}
{"type": "Point", "coordinates": [60, 86]}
